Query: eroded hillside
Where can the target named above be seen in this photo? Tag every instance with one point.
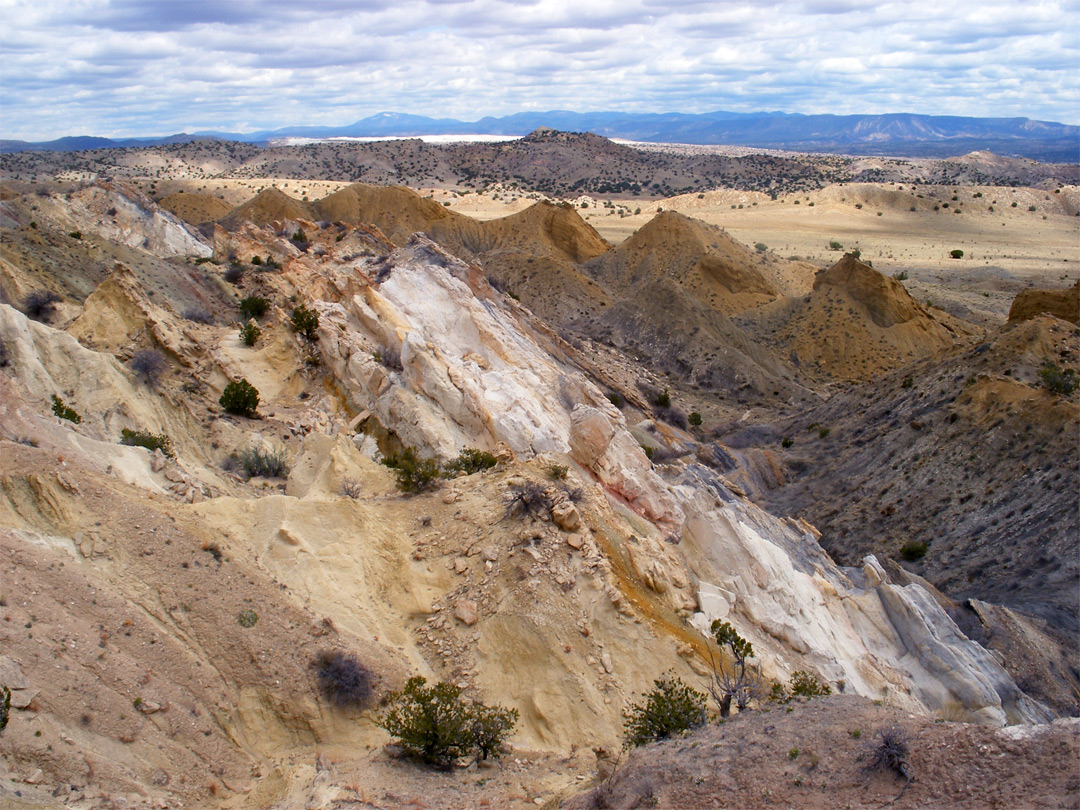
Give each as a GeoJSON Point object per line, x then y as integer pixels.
{"type": "Point", "coordinates": [177, 601]}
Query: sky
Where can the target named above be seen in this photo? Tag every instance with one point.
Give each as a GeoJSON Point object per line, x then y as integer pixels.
{"type": "Point", "coordinates": [121, 68]}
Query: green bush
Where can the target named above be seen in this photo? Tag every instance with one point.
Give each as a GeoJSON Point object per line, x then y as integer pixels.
{"type": "Point", "coordinates": [240, 398]}
{"type": "Point", "coordinates": [63, 411]}
{"type": "Point", "coordinates": [908, 382]}
{"type": "Point", "coordinates": [253, 307]}
{"type": "Point", "coordinates": [144, 438]}
{"type": "Point", "coordinates": [787, 442]}
{"type": "Point", "coordinates": [469, 461]}
{"type": "Point", "coordinates": [913, 550]}
{"type": "Point", "coordinates": [414, 474]}
{"type": "Point", "coordinates": [761, 247]}
{"type": "Point", "coordinates": [670, 708]}
{"type": "Point", "coordinates": [257, 462]}
{"type": "Point", "coordinates": [1057, 380]}
{"type": "Point", "coordinates": [306, 322]}
{"type": "Point", "coordinates": [957, 254]}
{"type": "Point", "coordinates": [5, 707]}
{"type": "Point", "coordinates": [433, 725]}
{"type": "Point", "coordinates": [663, 399]}
{"type": "Point", "coordinates": [557, 472]}
{"type": "Point", "coordinates": [616, 399]}
{"type": "Point", "coordinates": [805, 684]}
{"type": "Point", "coordinates": [256, 260]}
{"type": "Point", "coordinates": [299, 236]}
{"type": "Point", "coordinates": [250, 333]}
{"type": "Point", "coordinates": [694, 419]}
{"type": "Point", "coordinates": [834, 245]}
{"type": "Point", "coordinates": [247, 618]}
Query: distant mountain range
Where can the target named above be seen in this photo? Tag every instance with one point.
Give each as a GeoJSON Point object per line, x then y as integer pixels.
{"type": "Point", "coordinates": [898, 134]}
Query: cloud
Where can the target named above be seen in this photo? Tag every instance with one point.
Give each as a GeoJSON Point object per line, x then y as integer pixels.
{"type": "Point", "coordinates": [139, 67]}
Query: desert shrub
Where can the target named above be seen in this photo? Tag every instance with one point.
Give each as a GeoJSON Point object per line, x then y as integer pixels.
{"type": "Point", "coordinates": [823, 432]}
{"type": "Point", "coordinates": [671, 415]}
{"type": "Point", "coordinates": [390, 358]}
{"type": "Point", "coordinates": [63, 411]}
{"type": "Point", "coordinates": [256, 260]}
{"type": "Point", "coordinates": [250, 333]}
{"type": "Point", "coordinates": [234, 274]}
{"type": "Point", "coordinates": [956, 254]}
{"type": "Point", "coordinates": [913, 550]}
{"type": "Point", "coordinates": [761, 247]}
{"type": "Point", "coordinates": [253, 307]}
{"type": "Point", "coordinates": [144, 438]}
{"type": "Point", "coordinates": [5, 707]}
{"type": "Point", "coordinates": [787, 442]}
{"type": "Point", "coordinates": [343, 679]}
{"type": "Point", "coordinates": [834, 245]}
{"type": "Point", "coordinates": [198, 315]}
{"type": "Point", "coordinates": [5, 354]}
{"type": "Point", "coordinates": [901, 276]}
{"type": "Point", "coordinates": [240, 398]}
{"type": "Point", "coordinates": [247, 618]}
{"type": "Point", "coordinates": [1057, 380]}
{"type": "Point", "coordinates": [490, 727]}
{"type": "Point", "coordinates": [735, 682]}
{"type": "Point", "coordinates": [469, 461]}
{"type": "Point", "coordinates": [432, 723]}
{"type": "Point", "coordinates": [806, 684]}
{"type": "Point", "coordinates": [528, 499]}
{"type": "Point", "coordinates": [414, 474]}
{"type": "Point", "coordinates": [557, 472]}
{"type": "Point", "coordinates": [907, 382]}
{"type": "Point", "coordinates": [694, 419]}
{"type": "Point", "coordinates": [306, 322]}
{"type": "Point", "coordinates": [350, 488]}
{"type": "Point", "coordinates": [75, 234]}
{"type": "Point", "coordinates": [39, 304]}
{"type": "Point", "coordinates": [663, 399]}
{"type": "Point", "coordinates": [299, 236]}
{"type": "Point", "coordinates": [257, 462]}
{"type": "Point", "coordinates": [616, 399]}
{"type": "Point", "coordinates": [670, 708]}
{"type": "Point", "coordinates": [148, 365]}
{"type": "Point", "coordinates": [890, 753]}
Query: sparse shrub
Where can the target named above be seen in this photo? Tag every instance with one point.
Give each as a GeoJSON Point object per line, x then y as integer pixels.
{"type": "Point", "coordinates": [670, 708]}
{"type": "Point", "coordinates": [144, 438]}
{"type": "Point", "coordinates": [198, 315]}
{"type": "Point", "coordinates": [234, 273]}
{"type": "Point", "coordinates": [650, 452]}
{"type": "Point", "coordinates": [557, 472]}
{"type": "Point", "coordinates": [616, 399]}
{"type": "Point", "coordinates": [257, 462]}
{"type": "Point", "coordinates": [908, 382]}
{"type": "Point", "coordinates": [469, 461]}
{"type": "Point", "coordinates": [247, 618]}
{"type": "Point", "coordinates": [890, 754]}
{"type": "Point", "coordinates": [306, 322]}
{"type": "Point", "coordinates": [527, 499]}
{"type": "Point", "coordinates": [148, 365]}
{"type": "Point", "coordinates": [823, 432]}
{"type": "Point", "coordinates": [63, 411]}
{"type": "Point", "coordinates": [5, 707]}
{"type": "Point", "coordinates": [39, 305]}
{"type": "Point", "coordinates": [390, 358]}
{"type": "Point", "coordinates": [343, 679]}
{"type": "Point", "coordinates": [807, 685]}
{"type": "Point", "coordinates": [350, 488]}
{"type": "Point", "coordinates": [414, 474]}
{"type": "Point", "coordinates": [761, 247]}
{"type": "Point", "coordinates": [957, 254]}
{"type": "Point", "coordinates": [75, 234]}
{"type": "Point", "coordinates": [299, 236]}
{"type": "Point", "coordinates": [901, 276]}
{"type": "Point", "coordinates": [793, 753]}
{"type": "Point", "coordinates": [256, 260]}
{"type": "Point", "coordinates": [433, 725]}
{"type": "Point", "coordinates": [913, 550]}
{"type": "Point", "coordinates": [787, 442]}
{"type": "Point", "coordinates": [253, 307]}
{"type": "Point", "coordinates": [250, 333]}
{"type": "Point", "coordinates": [1057, 380]}
{"type": "Point", "coordinates": [240, 398]}
{"type": "Point", "coordinates": [738, 682]}
{"type": "Point", "coordinates": [663, 399]}
{"type": "Point", "coordinates": [834, 245]}
{"type": "Point", "coordinates": [694, 419]}
{"type": "Point", "coordinates": [673, 416]}
{"type": "Point", "coordinates": [856, 253]}
{"type": "Point", "coordinates": [5, 354]}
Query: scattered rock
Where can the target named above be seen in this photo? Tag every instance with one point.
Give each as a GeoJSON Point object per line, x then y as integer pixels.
{"type": "Point", "coordinates": [566, 516]}
{"type": "Point", "coordinates": [465, 612]}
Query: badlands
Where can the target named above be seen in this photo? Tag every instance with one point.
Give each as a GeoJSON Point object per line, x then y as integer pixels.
{"type": "Point", "coordinates": [801, 416]}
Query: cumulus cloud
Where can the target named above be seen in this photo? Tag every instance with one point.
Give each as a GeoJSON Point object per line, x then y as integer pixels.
{"type": "Point", "coordinates": [141, 67]}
